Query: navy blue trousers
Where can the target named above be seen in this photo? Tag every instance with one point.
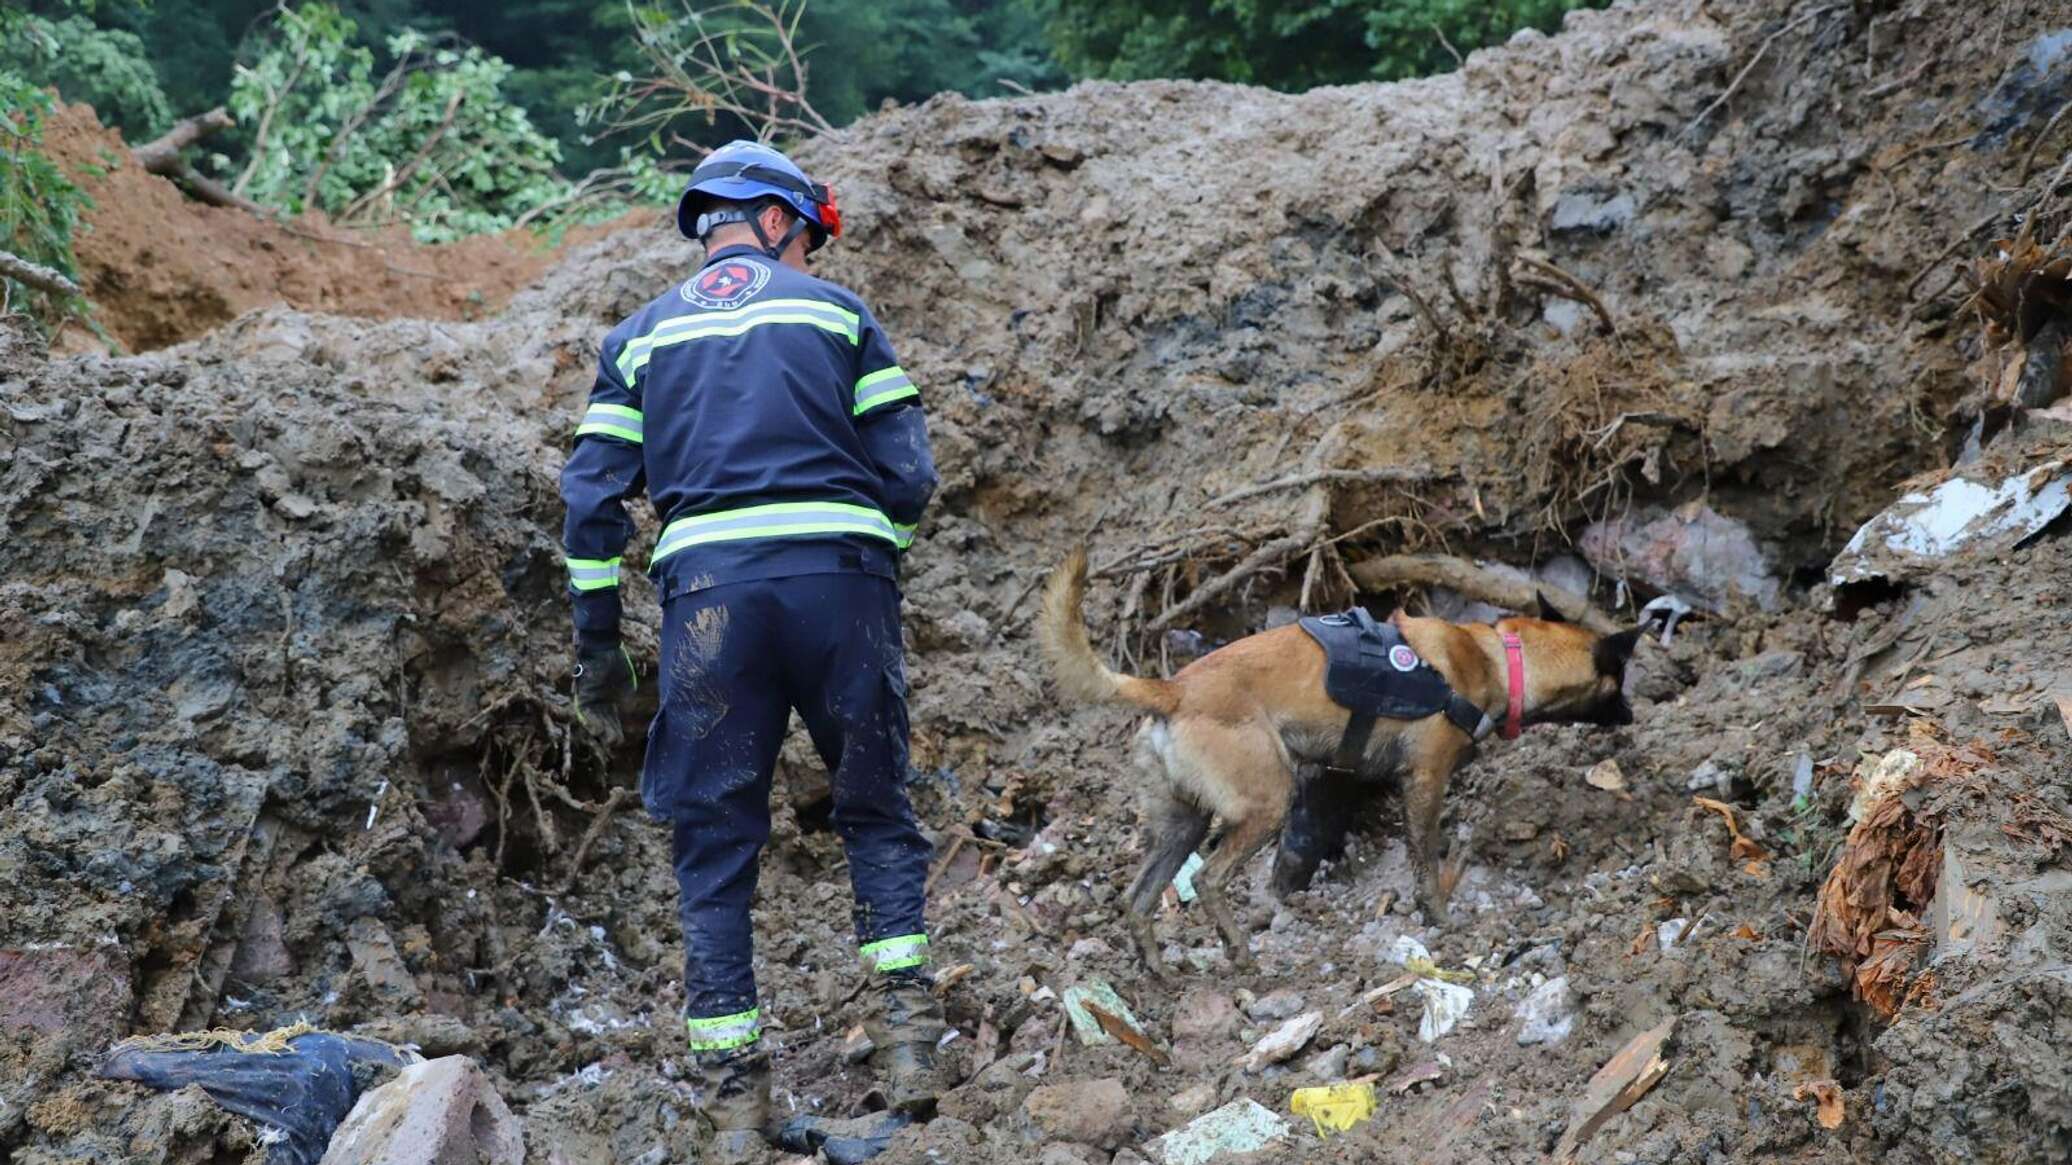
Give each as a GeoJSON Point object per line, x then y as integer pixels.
{"type": "Point", "coordinates": [736, 660]}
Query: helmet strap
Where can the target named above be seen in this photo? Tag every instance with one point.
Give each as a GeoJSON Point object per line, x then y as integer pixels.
{"type": "Point", "coordinates": [776, 250]}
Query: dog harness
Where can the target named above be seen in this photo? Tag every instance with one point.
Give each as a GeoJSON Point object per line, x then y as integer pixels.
{"type": "Point", "coordinates": [1372, 672]}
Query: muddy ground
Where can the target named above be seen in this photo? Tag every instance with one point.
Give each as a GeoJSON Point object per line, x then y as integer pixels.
{"type": "Point", "coordinates": [282, 632]}
{"type": "Point", "coordinates": [161, 268]}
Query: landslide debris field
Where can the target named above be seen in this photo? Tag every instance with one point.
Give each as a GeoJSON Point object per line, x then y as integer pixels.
{"type": "Point", "coordinates": [1667, 303]}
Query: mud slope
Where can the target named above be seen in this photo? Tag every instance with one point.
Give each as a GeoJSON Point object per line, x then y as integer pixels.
{"type": "Point", "coordinates": [283, 646]}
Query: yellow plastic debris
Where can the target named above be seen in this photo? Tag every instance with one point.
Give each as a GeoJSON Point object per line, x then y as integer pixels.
{"type": "Point", "coordinates": [1334, 1108]}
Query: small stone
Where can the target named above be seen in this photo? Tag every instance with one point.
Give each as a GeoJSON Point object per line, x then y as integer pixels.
{"type": "Point", "coordinates": [1284, 1041]}
{"type": "Point", "coordinates": [1280, 1004]}
{"type": "Point", "coordinates": [1205, 1014]}
{"type": "Point", "coordinates": [1328, 1065]}
{"type": "Point", "coordinates": [1193, 1101]}
{"type": "Point", "coordinates": [1088, 948]}
{"type": "Point", "coordinates": [1546, 1014]}
{"type": "Point", "coordinates": [1091, 1112]}
{"type": "Point", "coordinates": [1705, 776]}
{"type": "Point", "coordinates": [294, 506]}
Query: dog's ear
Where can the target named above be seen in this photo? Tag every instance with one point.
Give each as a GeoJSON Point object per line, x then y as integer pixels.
{"type": "Point", "coordinates": [1612, 651]}
{"type": "Point", "coordinates": [1548, 611]}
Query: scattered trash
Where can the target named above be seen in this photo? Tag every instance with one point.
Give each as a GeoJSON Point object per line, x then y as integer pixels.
{"type": "Point", "coordinates": [1958, 515]}
{"type": "Point", "coordinates": [1623, 1080]}
{"type": "Point", "coordinates": [1444, 1001]}
{"type": "Point", "coordinates": [1334, 1108]}
{"type": "Point", "coordinates": [1879, 777]}
{"type": "Point", "coordinates": [1802, 782]}
{"type": "Point", "coordinates": [842, 1142]}
{"type": "Point", "coordinates": [1444, 1006]}
{"type": "Point", "coordinates": [1546, 1016]}
{"type": "Point", "coordinates": [1711, 562]}
{"type": "Point", "coordinates": [295, 1080]}
{"type": "Point", "coordinates": [1242, 1126]}
{"type": "Point", "coordinates": [440, 1111]}
{"type": "Point", "coordinates": [1668, 608]}
{"type": "Point", "coordinates": [1089, 1028]}
{"type": "Point", "coordinates": [1827, 1096]}
{"type": "Point", "coordinates": [1606, 775]}
{"type": "Point", "coordinates": [1670, 931]}
{"type": "Point", "coordinates": [1283, 1042]}
{"type": "Point", "coordinates": [856, 1045]}
{"type": "Point", "coordinates": [1183, 882]}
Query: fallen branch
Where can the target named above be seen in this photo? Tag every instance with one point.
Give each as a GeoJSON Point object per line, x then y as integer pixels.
{"type": "Point", "coordinates": [1748, 68]}
{"type": "Point", "coordinates": [1395, 474]}
{"type": "Point", "coordinates": [1309, 527]}
{"type": "Point", "coordinates": [1547, 277]}
{"type": "Point", "coordinates": [1476, 582]}
{"type": "Point", "coordinates": [36, 275]}
{"type": "Point", "coordinates": [162, 156]}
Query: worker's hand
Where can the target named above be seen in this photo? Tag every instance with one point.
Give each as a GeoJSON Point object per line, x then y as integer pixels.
{"type": "Point", "coordinates": [603, 676]}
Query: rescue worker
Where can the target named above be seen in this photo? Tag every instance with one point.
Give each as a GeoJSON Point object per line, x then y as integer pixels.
{"type": "Point", "coordinates": [787, 455]}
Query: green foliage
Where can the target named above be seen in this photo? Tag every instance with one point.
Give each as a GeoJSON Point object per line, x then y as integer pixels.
{"type": "Point", "coordinates": [1286, 44]}
{"type": "Point", "coordinates": [433, 142]}
{"type": "Point", "coordinates": [39, 206]}
{"type": "Point", "coordinates": [104, 67]}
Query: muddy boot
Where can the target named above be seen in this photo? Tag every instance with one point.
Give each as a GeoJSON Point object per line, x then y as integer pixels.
{"type": "Point", "coordinates": [908, 1024]}
{"type": "Point", "coordinates": [734, 1099]}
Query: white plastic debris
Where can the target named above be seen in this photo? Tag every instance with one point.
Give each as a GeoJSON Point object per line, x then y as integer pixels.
{"type": "Point", "coordinates": [1957, 515]}
{"type": "Point", "coordinates": [1445, 1004]}
{"type": "Point", "coordinates": [1183, 882]}
{"type": "Point", "coordinates": [1242, 1126]}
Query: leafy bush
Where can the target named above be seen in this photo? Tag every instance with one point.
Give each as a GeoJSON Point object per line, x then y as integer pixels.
{"type": "Point", "coordinates": [432, 143]}
{"type": "Point", "coordinates": [1287, 44]}
{"type": "Point", "coordinates": [104, 67]}
{"type": "Point", "coordinates": [39, 206]}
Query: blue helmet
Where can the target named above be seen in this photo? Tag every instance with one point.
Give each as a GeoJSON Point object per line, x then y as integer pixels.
{"type": "Point", "coordinates": [749, 172]}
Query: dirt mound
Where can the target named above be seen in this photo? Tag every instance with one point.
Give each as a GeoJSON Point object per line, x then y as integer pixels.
{"type": "Point", "coordinates": [282, 627]}
{"type": "Point", "coordinates": [161, 268]}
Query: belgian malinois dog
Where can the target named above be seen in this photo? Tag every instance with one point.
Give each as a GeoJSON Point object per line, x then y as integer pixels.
{"type": "Point", "coordinates": [1230, 733]}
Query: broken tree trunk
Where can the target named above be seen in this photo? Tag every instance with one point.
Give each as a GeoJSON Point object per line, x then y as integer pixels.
{"type": "Point", "coordinates": [162, 157]}
{"type": "Point", "coordinates": [36, 275]}
{"type": "Point", "coordinates": [1476, 582]}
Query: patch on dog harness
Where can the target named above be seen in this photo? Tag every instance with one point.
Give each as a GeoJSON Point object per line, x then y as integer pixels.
{"type": "Point", "coordinates": [1370, 671]}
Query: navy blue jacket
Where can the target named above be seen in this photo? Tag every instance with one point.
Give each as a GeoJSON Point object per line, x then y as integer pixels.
{"type": "Point", "coordinates": [764, 414]}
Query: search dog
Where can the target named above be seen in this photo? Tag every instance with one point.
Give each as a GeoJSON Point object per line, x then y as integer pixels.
{"type": "Point", "coordinates": [1229, 735]}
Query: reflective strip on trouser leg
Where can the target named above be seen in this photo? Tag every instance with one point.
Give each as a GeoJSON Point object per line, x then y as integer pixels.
{"type": "Point", "coordinates": [593, 574]}
{"type": "Point", "coordinates": [895, 954]}
{"type": "Point", "coordinates": [723, 1032]}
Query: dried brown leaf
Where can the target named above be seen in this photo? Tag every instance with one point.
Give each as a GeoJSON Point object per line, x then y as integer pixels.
{"type": "Point", "coordinates": [1827, 1098]}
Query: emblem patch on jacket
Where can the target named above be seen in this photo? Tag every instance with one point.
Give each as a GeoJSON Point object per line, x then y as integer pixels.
{"type": "Point", "coordinates": [728, 283]}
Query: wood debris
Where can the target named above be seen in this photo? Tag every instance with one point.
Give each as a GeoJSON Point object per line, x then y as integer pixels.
{"type": "Point", "coordinates": [1617, 1086]}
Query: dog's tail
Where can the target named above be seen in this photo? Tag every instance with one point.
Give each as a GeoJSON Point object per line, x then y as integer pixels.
{"type": "Point", "coordinates": [1080, 673]}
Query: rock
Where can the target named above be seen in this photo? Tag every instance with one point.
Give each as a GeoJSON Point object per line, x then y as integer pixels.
{"type": "Point", "coordinates": [1193, 1100]}
{"type": "Point", "coordinates": [1205, 1014]}
{"type": "Point", "coordinates": [1591, 211]}
{"type": "Point", "coordinates": [1242, 1126]}
{"type": "Point", "coordinates": [1088, 948]}
{"type": "Point", "coordinates": [1284, 1041]}
{"type": "Point", "coordinates": [1445, 1004]}
{"type": "Point", "coordinates": [1705, 776]}
{"type": "Point", "coordinates": [1328, 1065]}
{"type": "Point", "coordinates": [1089, 1112]}
{"type": "Point", "coordinates": [1546, 1015]}
{"type": "Point", "coordinates": [262, 950]}
{"type": "Point", "coordinates": [440, 1112]}
{"type": "Point", "coordinates": [374, 953]}
{"type": "Point", "coordinates": [1059, 1153]}
{"type": "Point", "coordinates": [77, 993]}
{"type": "Point", "coordinates": [1280, 1004]}
{"type": "Point", "coordinates": [1001, 1087]}
{"type": "Point", "coordinates": [1709, 560]}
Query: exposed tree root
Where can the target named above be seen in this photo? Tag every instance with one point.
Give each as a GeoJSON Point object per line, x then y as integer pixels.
{"type": "Point", "coordinates": [1476, 582]}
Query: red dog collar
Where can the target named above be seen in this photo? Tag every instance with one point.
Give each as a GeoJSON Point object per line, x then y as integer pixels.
{"type": "Point", "coordinates": [1514, 659]}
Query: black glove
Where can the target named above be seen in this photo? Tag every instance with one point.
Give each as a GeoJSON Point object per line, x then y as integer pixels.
{"type": "Point", "coordinates": [603, 676]}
